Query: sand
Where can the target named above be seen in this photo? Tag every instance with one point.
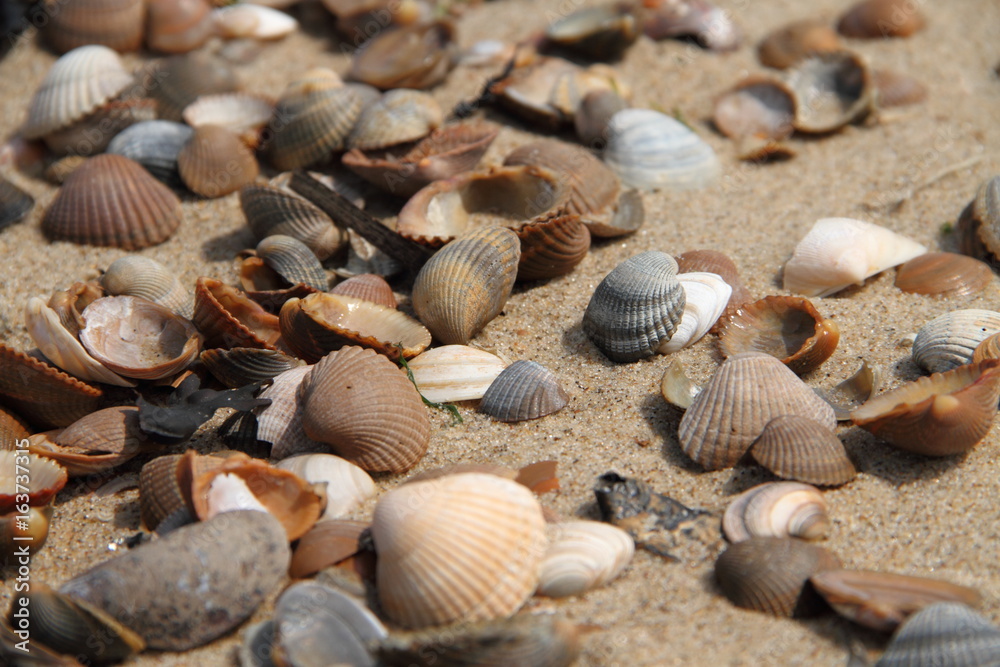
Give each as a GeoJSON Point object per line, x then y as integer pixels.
{"type": "Point", "coordinates": [903, 513]}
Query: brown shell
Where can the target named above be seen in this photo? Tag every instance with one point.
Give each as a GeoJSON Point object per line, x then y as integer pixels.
{"type": "Point", "coordinates": [940, 415]}
{"type": "Point", "coordinates": [164, 489]}
{"type": "Point", "coordinates": [96, 442]}
{"type": "Point", "coordinates": [177, 81]}
{"type": "Point", "coordinates": [713, 261]}
{"type": "Point", "coordinates": [41, 393]}
{"type": "Point", "coordinates": [414, 56]}
{"type": "Point", "coordinates": [271, 210]}
{"type": "Point", "coordinates": [897, 89]}
{"type": "Point", "coordinates": [369, 287]}
{"type": "Point", "coordinates": [757, 107]}
{"type": "Point", "coordinates": [12, 429]}
{"type": "Point", "coordinates": [93, 134]}
{"type": "Point", "coordinates": [367, 411]}
{"type": "Point", "coordinates": [988, 349]}
{"type": "Point", "coordinates": [178, 26]}
{"type": "Point", "coordinates": [326, 544]}
{"type": "Point", "coordinates": [798, 448]}
{"type": "Point", "coordinates": [873, 19]}
{"type": "Point", "coordinates": [214, 162]}
{"type": "Point", "coordinates": [797, 40]}
{"type": "Point", "coordinates": [943, 273]}
{"type": "Point", "coordinates": [551, 246]}
{"type": "Point", "coordinates": [228, 318]}
{"type": "Point", "coordinates": [117, 24]}
{"type": "Point", "coordinates": [241, 366]}
{"type": "Point", "coordinates": [46, 478]}
{"type": "Point", "coordinates": [311, 120]}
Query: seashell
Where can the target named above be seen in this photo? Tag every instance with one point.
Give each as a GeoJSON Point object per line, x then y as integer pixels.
{"type": "Point", "coordinates": [93, 134]}
{"type": "Point", "coordinates": [227, 318]}
{"type": "Point", "coordinates": [582, 555]}
{"type": "Point", "coordinates": [15, 203]}
{"type": "Point", "coordinates": [94, 443]}
{"type": "Point", "coordinates": [831, 90]}
{"type": "Point", "coordinates": [466, 284]}
{"type": "Point", "coordinates": [46, 479]}
{"type": "Point", "coordinates": [941, 415]}
{"type": "Point", "coordinates": [603, 32]}
{"type": "Point", "coordinates": [137, 338]}
{"type": "Point", "coordinates": [177, 81]}
{"type": "Point", "coordinates": [347, 485]}
{"type": "Point", "coordinates": [949, 340]}
{"type": "Point", "coordinates": [676, 388]}
{"type": "Point", "coordinates": [112, 201]}
{"type": "Point", "coordinates": [43, 394]}
{"type": "Point", "coordinates": [78, 84]}
{"type": "Point", "coordinates": [897, 89]}
{"type": "Point", "coordinates": [756, 108]}
{"type": "Point", "coordinates": [270, 210]}
{"type": "Point", "coordinates": [178, 26]}
{"type": "Point", "coordinates": [70, 303]}
{"type": "Point", "coordinates": [592, 116]}
{"type": "Point", "coordinates": [18, 533]}
{"type": "Point", "coordinates": [57, 172]}
{"type": "Point", "coordinates": [165, 485]}
{"type": "Point", "coordinates": [945, 633]}
{"type": "Point", "coordinates": [747, 391]}
{"type": "Point", "coordinates": [12, 429]}
{"type": "Point", "coordinates": [943, 273]}
{"type": "Point", "coordinates": [524, 390]}
{"type": "Point", "coordinates": [114, 24]}
{"type": "Point", "coordinates": [840, 252]}
{"type": "Point", "coordinates": [649, 151]}
{"type": "Point", "coordinates": [706, 296]}
{"type": "Point", "coordinates": [154, 144]}
{"type": "Point", "coordinates": [200, 569]}
{"type": "Point", "coordinates": [454, 373]}
{"type": "Point", "coordinates": [796, 41]}
{"type": "Point", "coordinates": [786, 327]}
{"type": "Point", "coordinates": [368, 287]}
{"type": "Point", "coordinates": [551, 246]}
{"type": "Point", "coordinates": [881, 600]}
{"type": "Point", "coordinates": [711, 26]}
{"type": "Point", "coordinates": [988, 349]}
{"type": "Point", "coordinates": [243, 114]}
{"type": "Point", "coordinates": [445, 153]}
{"type": "Point", "coordinates": [400, 116]}
{"type": "Point", "coordinates": [415, 56]}
{"type": "Point", "coordinates": [777, 509]}
{"type": "Point", "coordinates": [979, 224]}
{"type": "Point", "coordinates": [252, 21]}
{"type": "Point", "coordinates": [134, 275]}
{"type": "Point", "coordinates": [328, 543]}
{"type": "Point", "coordinates": [852, 393]}
{"type": "Point", "coordinates": [636, 308]}
{"type": "Point", "coordinates": [365, 409]}
{"type": "Point", "coordinates": [794, 447]}
{"type": "Point", "coordinates": [872, 19]}
{"type": "Point", "coordinates": [713, 261]}
{"type": "Point", "coordinates": [280, 423]}
{"type": "Point", "coordinates": [241, 366]}
{"type": "Point", "coordinates": [770, 574]}
{"type": "Point", "coordinates": [214, 162]}
{"type": "Point", "coordinates": [437, 565]}
{"type": "Point", "coordinates": [365, 257]}
{"type": "Point", "coordinates": [292, 260]}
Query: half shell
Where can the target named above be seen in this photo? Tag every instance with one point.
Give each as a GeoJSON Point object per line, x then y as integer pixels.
{"type": "Point", "coordinates": [796, 41]}
{"type": "Point", "coordinates": [228, 318]}
{"type": "Point", "coordinates": [706, 296]}
{"type": "Point", "coordinates": [582, 555]}
{"type": "Point", "coordinates": [368, 287]}
{"type": "Point", "coordinates": [242, 114]}
{"type": "Point", "coordinates": [214, 162]}
{"type": "Point", "coordinates": [270, 210]}
{"type": "Point", "coordinates": [874, 19]}
{"type": "Point", "coordinates": [154, 144]}
{"type": "Point", "coordinates": [177, 81]}
{"type": "Point", "coordinates": [398, 117]}
{"type": "Point", "coordinates": [241, 366]}
{"type": "Point", "coordinates": [144, 277]}
{"type": "Point", "coordinates": [347, 485]}
{"type": "Point", "coordinates": [831, 90]}
{"type": "Point", "coordinates": [777, 509]}
{"type": "Point", "coordinates": [524, 390]}
{"type": "Point", "coordinates": [46, 479]}
{"type": "Point", "coordinates": [178, 26]}
{"type": "Point", "coordinates": [415, 56]}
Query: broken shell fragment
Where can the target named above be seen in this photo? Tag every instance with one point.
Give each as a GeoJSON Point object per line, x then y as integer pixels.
{"type": "Point", "coordinates": [706, 296]}
{"type": "Point", "coordinates": [712, 27]}
{"type": "Point", "coordinates": [524, 390]}
{"type": "Point", "coordinates": [852, 393]}
{"type": "Point", "coordinates": [292, 259]}
{"type": "Point", "coordinates": [582, 555]}
{"type": "Point", "coordinates": [949, 340]}
{"type": "Point", "coordinates": [270, 210]}
{"type": "Point", "coordinates": [242, 114]}
{"type": "Point", "coordinates": [777, 509]}
{"type": "Point", "coordinates": [943, 273]}
{"type": "Point", "coordinates": [676, 388]}
{"type": "Point", "coordinates": [328, 543]}
{"type": "Point", "coordinates": [831, 90]}
{"type": "Point", "coordinates": [228, 318]}
{"type": "Point", "coordinates": [455, 373]}
{"type": "Point", "coordinates": [241, 366]}
{"type": "Point", "coordinates": [794, 447]}
{"type": "Point", "coordinates": [603, 32]}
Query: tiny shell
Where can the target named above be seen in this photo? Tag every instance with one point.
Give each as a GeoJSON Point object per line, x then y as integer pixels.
{"type": "Point", "coordinates": [831, 90]}
{"type": "Point", "coordinates": [524, 390]}
{"type": "Point", "coordinates": [949, 340]}
{"type": "Point", "coordinates": [242, 114]}
{"type": "Point", "coordinates": [135, 275]}
{"type": "Point", "coordinates": [946, 633]}
{"type": "Point", "coordinates": [455, 373]}
{"type": "Point", "coordinates": [796, 41]}
{"type": "Point", "coordinates": [582, 555]}
{"type": "Point", "coordinates": [214, 162]}
{"type": "Point", "coordinates": [706, 296]}
{"type": "Point", "coordinates": [873, 19]}
{"type": "Point", "coordinates": [851, 393]}
{"type": "Point", "coordinates": [347, 485]}
{"type": "Point", "coordinates": [398, 117]}
{"type": "Point", "coordinates": [777, 509]}
{"type": "Point", "coordinates": [676, 388]}
{"type": "Point", "coordinates": [794, 447]}
{"type": "Point", "coordinates": [943, 273]}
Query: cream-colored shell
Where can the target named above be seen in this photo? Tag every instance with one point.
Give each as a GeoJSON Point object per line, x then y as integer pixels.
{"type": "Point", "coordinates": [253, 21]}
{"type": "Point", "coordinates": [706, 297]}
{"type": "Point", "coordinates": [948, 341]}
{"type": "Point", "coordinates": [455, 373]}
{"type": "Point", "coordinates": [281, 422]}
{"type": "Point", "coordinates": [777, 509]}
{"type": "Point", "coordinates": [583, 555]}
{"type": "Point", "coordinates": [347, 485]}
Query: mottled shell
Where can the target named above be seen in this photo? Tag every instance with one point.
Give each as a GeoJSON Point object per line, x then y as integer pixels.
{"type": "Point", "coordinates": [270, 210]}
{"type": "Point", "coordinates": [524, 390]}
{"type": "Point", "coordinates": [943, 273]}
{"type": "Point", "coordinates": [400, 116]}
{"type": "Point", "coordinates": [777, 509]}
{"type": "Point", "coordinates": [177, 81]}
{"type": "Point", "coordinates": [463, 547]}
{"type": "Point", "coordinates": [874, 19]}
{"type": "Point", "coordinates": [455, 373]}
{"type": "Point", "coordinates": [706, 296]}
{"type": "Point", "coordinates": [134, 275]}
{"type": "Point", "coordinates": [551, 246]}
{"type": "Point", "coordinates": [770, 574]}
{"type": "Point", "coordinates": [948, 341]}
{"type": "Point", "coordinates": [831, 90]}
{"type": "Point", "coordinates": [946, 633]}
{"type": "Point", "coordinates": [214, 162]}
{"type": "Point", "coordinates": [367, 411]}
{"type": "Point", "coordinates": [178, 26]}
{"type": "Point", "coordinates": [154, 144]}
{"type": "Point", "coordinates": [414, 56]}
{"type": "Point", "coordinates": [228, 318]}
{"type": "Point", "coordinates": [43, 394]}
{"type": "Point", "coordinates": [241, 366]}
{"type": "Point", "coordinates": [368, 287]}
{"type": "Point", "coordinates": [757, 107]}
{"type": "Point", "coordinates": [466, 284]}
{"type": "Point", "coordinates": [15, 203]}
{"type": "Point", "coordinates": [795, 447]}
{"type": "Point", "coordinates": [796, 41]}
{"type": "Point", "coordinates": [746, 392]}
{"type": "Point", "coordinates": [582, 555]}
{"type": "Point", "coordinates": [636, 308]}
{"type": "Point", "coordinates": [112, 201]}
{"type": "Point", "coordinates": [242, 114]}
{"type": "Point", "coordinates": [46, 478]}
{"type": "Point", "coordinates": [114, 24]}
{"type": "Point", "coordinates": [347, 485]}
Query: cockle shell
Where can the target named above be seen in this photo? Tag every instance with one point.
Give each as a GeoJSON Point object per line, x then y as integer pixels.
{"type": "Point", "coordinates": [43, 394]}
{"type": "Point", "coordinates": [602, 33]}
{"type": "Point", "coordinates": [270, 210]}
{"type": "Point", "coordinates": [241, 366]}
{"type": "Point", "coordinates": [12, 429]}
{"type": "Point", "coordinates": [943, 273]}
{"type": "Point", "coordinates": [796, 41]}
{"type": "Point", "coordinates": [582, 555]}
{"type": "Point", "coordinates": [831, 90]}
{"type": "Point", "coordinates": [46, 478]}
{"type": "Point", "coordinates": [945, 633]}
{"type": "Point", "coordinates": [463, 547]}
{"type": "Point", "coordinates": [840, 252]}
{"type": "Point", "coordinates": [228, 318]}
{"type": "Point", "coordinates": [524, 390]}
{"type": "Point", "coordinates": [706, 296]}
{"type": "Point", "coordinates": [799, 448]}
{"type": "Point", "coordinates": [293, 260]}
{"type": "Point", "coordinates": [96, 442]}
{"type": "Point", "coordinates": [398, 117]}
{"type": "Point", "coordinates": [154, 144]}
{"type": "Point", "coordinates": [113, 24]}
{"type": "Point", "coordinates": [178, 26]}
{"type": "Point", "coordinates": [214, 162]}
{"type": "Point", "coordinates": [777, 509]}
{"type": "Point", "coordinates": [134, 275]}
{"type": "Point", "coordinates": [414, 56]}
{"type": "Point", "coordinates": [552, 245]}
{"type": "Point", "coordinates": [368, 287]}
{"type": "Point", "coordinates": [280, 423]}
{"type": "Point", "coordinates": [177, 81]}
{"type": "Point", "coordinates": [455, 373]}
{"type": "Point", "coordinates": [988, 349]}
{"type": "Point", "coordinates": [948, 341]}
{"type": "Point", "coordinates": [347, 485]}
{"type": "Point", "coordinates": [713, 261]}
{"type": "Point", "coordinates": [873, 19]}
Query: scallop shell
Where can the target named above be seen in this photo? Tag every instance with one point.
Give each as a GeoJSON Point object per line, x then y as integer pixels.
{"type": "Point", "coordinates": [46, 478]}
{"type": "Point", "coordinates": [228, 318]}
{"type": "Point", "coordinates": [347, 485]}
{"type": "Point", "coordinates": [840, 252]}
{"type": "Point", "coordinates": [96, 442]}
{"type": "Point", "coordinates": [455, 373]}
{"type": "Point", "coordinates": [941, 415]}
{"type": "Point", "coordinates": [414, 56]}
{"type": "Point", "coordinates": [466, 284]}
{"type": "Point", "coordinates": [15, 203]}
{"type": "Point", "coordinates": [154, 144]}
{"type": "Point", "coordinates": [949, 340]}
{"type": "Point", "coordinates": [112, 201]}
{"type": "Point", "coordinates": [582, 555]}
{"type": "Point", "coordinates": [551, 246]}
{"type": "Point", "coordinates": [758, 108]}
{"type": "Point", "coordinates": [777, 509]}
{"type": "Point", "coordinates": [706, 296]}
{"type": "Point", "coordinates": [897, 89]}
{"type": "Point", "coordinates": [134, 275]}
{"type": "Point", "coordinates": [368, 287]}
{"type": "Point", "coordinates": [831, 90]}
{"type": "Point", "coordinates": [636, 308]}
{"type": "Point", "coordinates": [214, 162]}
{"type": "Point", "coordinates": [874, 19]}
{"type": "Point", "coordinates": [241, 366]}
{"type": "Point", "coordinates": [746, 392]}
{"type": "Point", "coordinates": [178, 26]}
{"type": "Point", "coordinates": [770, 574]}
{"type": "Point", "coordinates": [461, 547]}
{"type": "Point", "coordinates": [270, 210]}
{"type": "Point", "coordinates": [178, 81]}
{"type": "Point", "coordinates": [281, 422]}
{"type": "Point", "coordinates": [43, 394]}
{"type": "Point", "coordinates": [649, 151]}
{"type": "Point", "coordinates": [796, 41]}
{"type": "Point", "coordinates": [943, 273]}
{"type": "Point", "coordinates": [794, 447]}
{"type": "Point", "coordinates": [365, 409]}
{"type": "Point", "coordinates": [253, 21]}
{"type": "Point", "coordinates": [113, 24]}
{"type": "Point", "coordinates": [602, 33]}
{"type": "Point", "coordinates": [524, 390]}
{"type": "Point", "coordinates": [945, 633]}
{"type": "Point", "coordinates": [398, 117]}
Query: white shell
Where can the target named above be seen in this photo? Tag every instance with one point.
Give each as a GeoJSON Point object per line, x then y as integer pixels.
{"type": "Point", "coordinates": [839, 252]}
{"type": "Point", "coordinates": [455, 373]}
{"type": "Point", "coordinates": [347, 485]}
{"type": "Point", "coordinates": [281, 422]}
{"type": "Point", "coordinates": [948, 341]}
{"type": "Point", "coordinates": [229, 493]}
{"type": "Point", "coordinates": [776, 509]}
{"type": "Point", "coordinates": [253, 21]}
{"type": "Point", "coordinates": [707, 295]}
{"type": "Point", "coordinates": [582, 555]}
{"type": "Point", "coordinates": [649, 150]}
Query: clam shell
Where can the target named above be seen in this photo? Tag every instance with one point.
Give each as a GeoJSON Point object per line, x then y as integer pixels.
{"type": "Point", "coordinates": [831, 90]}
{"type": "Point", "coordinates": [468, 549]}
{"type": "Point", "coordinates": [281, 422]}
{"type": "Point", "coordinates": [113, 24]}
{"type": "Point", "coordinates": [941, 415]}
{"type": "Point", "coordinates": [777, 509]}
{"type": "Point", "coordinates": [414, 56]}
{"type": "Point", "coordinates": [794, 447]}
{"type": "Point", "coordinates": [241, 366]}
{"type": "Point", "coordinates": [636, 308]}
{"type": "Point", "coordinates": [178, 81]}
{"type": "Point", "coordinates": [840, 252]}
{"type": "Point", "coordinates": [214, 162]}
{"type": "Point", "coordinates": [873, 19]}
{"type": "Point", "coordinates": [601, 33]}
{"type": "Point", "coordinates": [455, 373]}
{"type": "Point", "coordinates": [368, 287]}
{"type": "Point", "coordinates": [945, 633]}
{"type": "Point", "coordinates": [311, 120]}
{"type": "Point", "coordinates": [466, 284]}
{"type": "Point", "coordinates": [649, 151]}
{"type": "Point", "coordinates": [757, 107]}
{"type": "Point", "coordinates": [328, 543]}
{"type": "Point", "coordinates": [347, 485]}
{"type": "Point", "coordinates": [227, 318]}
{"type": "Point", "coordinates": [746, 392]}
{"type": "Point", "coordinates": [706, 296]}
{"type": "Point", "coordinates": [551, 246]}
{"type": "Point", "coordinates": [134, 275]}
{"type": "Point", "coordinates": [897, 89]}
{"type": "Point", "coordinates": [524, 390]}
{"type": "Point", "coordinates": [242, 114]}
{"type": "Point", "coordinates": [366, 410]}
{"type": "Point", "coordinates": [270, 210]}
{"type": "Point", "coordinates": [949, 340]}
{"type": "Point", "coordinates": [943, 273]}
{"type": "Point", "coordinates": [43, 394]}
{"type": "Point", "coordinates": [178, 26]}
{"type": "Point", "coordinates": [770, 574]}
{"type": "Point", "coordinates": [582, 555]}
{"type": "Point", "coordinates": [796, 41]}
{"type": "Point", "coordinates": [15, 203]}
{"type": "Point", "coordinates": [292, 260]}
{"type": "Point", "coordinates": [398, 117]}
{"type": "Point", "coordinates": [154, 144]}
{"type": "Point", "coordinates": [46, 478]}
{"type": "Point", "coordinates": [112, 201]}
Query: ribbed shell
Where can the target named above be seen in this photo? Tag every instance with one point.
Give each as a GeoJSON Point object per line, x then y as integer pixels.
{"type": "Point", "coordinates": [466, 284]}
{"type": "Point", "coordinates": [713, 261]}
{"type": "Point", "coordinates": [988, 349]}
{"type": "Point", "coordinates": [228, 318]}
{"type": "Point", "coordinates": [180, 80]}
{"type": "Point", "coordinates": [135, 275]}
{"type": "Point", "coordinates": [984, 215]}
{"type": "Point", "coordinates": [463, 547]}
{"type": "Point", "coordinates": [241, 366]}
{"type": "Point", "coordinates": [946, 633]}
{"type": "Point", "coordinates": [165, 487]}
{"type": "Point", "coordinates": [746, 392]}
{"type": "Point", "coordinates": [777, 509]}
{"type": "Point", "coordinates": [270, 210]}
{"type": "Point", "coordinates": [796, 41]}
{"type": "Point", "coordinates": [582, 555]}
{"type": "Point", "coordinates": [400, 116]}
{"type": "Point", "coordinates": [310, 123]}
{"type": "Point", "coordinates": [831, 90]}
{"type": "Point", "coordinates": [414, 56]}
{"type": "Point", "coordinates": [214, 162]}
{"type": "Point", "coordinates": [705, 298]}
{"type": "Point", "coordinates": [115, 24]}
{"type": "Point", "coordinates": [592, 185]}
{"type": "Point", "coordinates": [112, 201]}
{"type": "Point", "coordinates": [108, 431]}
{"type": "Point", "coordinates": [948, 341]}
{"type": "Point", "coordinates": [524, 390]}
{"type": "Point", "coordinates": [15, 203]}
{"type": "Point", "coordinates": [281, 422]}
{"type": "Point", "coordinates": [943, 273]}
{"type": "Point", "coordinates": [292, 260]}
{"type": "Point", "coordinates": [12, 429]}
{"type": "Point", "coordinates": [795, 447]}
{"type": "Point", "coordinates": [368, 287]}
{"type": "Point", "coordinates": [636, 308]}
{"type": "Point", "coordinates": [43, 394]}
{"type": "Point", "coordinates": [367, 411]}
{"type": "Point", "coordinates": [455, 373]}
{"type": "Point", "coordinates": [154, 144]}
{"type": "Point", "coordinates": [551, 246]}
{"type": "Point", "coordinates": [47, 478]}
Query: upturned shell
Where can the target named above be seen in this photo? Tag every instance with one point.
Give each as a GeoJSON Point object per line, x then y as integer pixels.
{"type": "Point", "coordinates": [46, 478]}
{"type": "Point", "coordinates": [414, 56]}
{"type": "Point", "coordinates": [241, 366]}
{"type": "Point", "coordinates": [649, 151]}
{"type": "Point", "coordinates": [777, 509]}
{"type": "Point", "coordinates": [796, 41]}
{"type": "Point", "coordinates": [706, 296]}
{"type": "Point", "coordinates": [214, 162]}
{"type": "Point", "coordinates": [460, 547]}
{"type": "Point", "coordinates": [292, 259]}
{"type": "Point", "coordinates": [946, 633]}
{"type": "Point", "coordinates": [362, 406]}
{"type": "Point", "coordinates": [270, 210]}
{"type": "Point", "coordinates": [242, 114]}
{"type": "Point", "coordinates": [134, 275]}
{"type": "Point", "coordinates": [368, 287]}
{"type": "Point", "coordinates": [154, 144]}
{"type": "Point", "coordinates": [948, 341]}
{"type": "Point", "coordinates": [115, 24]}
{"type": "Point", "coordinates": [757, 107]}
{"type": "Point", "coordinates": [582, 555]}
{"type": "Point", "coordinates": [228, 318]}
{"type": "Point", "coordinates": [840, 252]}
{"type": "Point", "coordinates": [466, 283]}
{"type": "Point", "coordinates": [873, 19]}
{"type": "Point", "coordinates": [551, 246]}
{"type": "Point", "coordinates": [831, 90]}
{"type": "Point", "coordinates": [850, 394]}
{"type": "Point", "coordinates": [455, 373]}
{"type": "Point", "coordinates": [636, 308]}
{"type": "Point", "coordinates": [941, 415]}
{"type": "Point", "coordinates": [794, 447]}
{"type": "Point", "coordinates": [15, 203]}
{"type": "Point", "coordinates": [524, 390]}
{"type": "Point", "coordinates": [943, 273]}
{"type": "Point", "coordinates": [347, 485]}
{"type": "Point", "coordinates": [603, 32]}
{"type": "Point", "coordinates": [43, 394]}
{"type": "Point", "coordinates": [746, 392]}
{"type": "Point", "coordinates": [177, 81]}
{"type": "Point", "coordinates": [178, 26]}
{"type": "Point", "coordinates": [112, 201]}
{"type": "Point", "coordinates": [400, 116]}
{"type": "Point", "coordinates": [770, 574]}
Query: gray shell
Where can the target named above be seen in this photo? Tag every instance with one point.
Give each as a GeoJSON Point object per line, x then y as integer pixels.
{"type": "Point", "coordinates": [636, 307]}
{"type": "Point", "coordinates": [293, 260]}
{"type": "Point", "coordinates": [270, 210]}
{"type": "Point", "coordinates": [154, 144]}
{"type": "Point", "coordinates": [524, 390]}
{"type": "Point", "coordinates": [948, 341]}
{"type": "Point", "coordinates": [135, 275]}
{"type": "Point", "coordinates": [15, 203]}
{"type": "Point", "coordinates": [946, 633]}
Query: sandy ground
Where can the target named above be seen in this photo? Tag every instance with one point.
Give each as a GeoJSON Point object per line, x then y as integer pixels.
{"type": "Point", "coordinates": [903, 513]}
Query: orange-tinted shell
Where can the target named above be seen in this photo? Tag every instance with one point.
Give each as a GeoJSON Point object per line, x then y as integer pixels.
{"type": "Point", "coordinates": [369, 287]}
{"type": "Point", "coordinates": [43, 394]}
{"type": "Point", "coordinates": [872, 19]}
{"type": "Point", "coordinates": [551, 246]}
{"type": "Point", "coordinates": [214, 162]}
{"type": "Point", "coordinates": [791, 43]}
{"type": "Point", "coordinates": [46, 478]}
{"type": "Point", "coordinates": [227, 318]}
{"type": "Point", "coordinates": [117, 24]}
{"type": "Point", "coordinates": [943, 273]}
{"type": "Point", "coordinates": [328, 543]}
